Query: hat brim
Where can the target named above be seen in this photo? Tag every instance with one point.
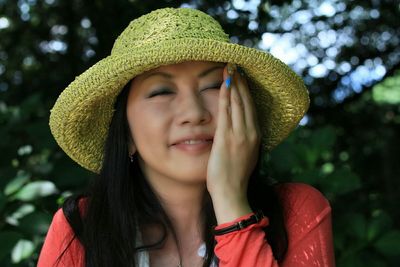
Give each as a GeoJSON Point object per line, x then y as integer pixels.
{"type": "Point", "coordinates": [82, 113]}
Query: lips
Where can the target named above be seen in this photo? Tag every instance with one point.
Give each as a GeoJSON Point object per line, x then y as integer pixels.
{"type": "Point", "coordinates": [194, 147]}
{"type": "Point", "coordinates": [197, 137]}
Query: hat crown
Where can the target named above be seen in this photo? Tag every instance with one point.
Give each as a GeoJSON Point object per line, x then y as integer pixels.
{"type": "Point", "coordinates": [169, 24]}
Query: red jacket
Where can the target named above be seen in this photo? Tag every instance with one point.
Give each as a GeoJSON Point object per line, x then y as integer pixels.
{"type": "Point", "coordinates": [307, 216]}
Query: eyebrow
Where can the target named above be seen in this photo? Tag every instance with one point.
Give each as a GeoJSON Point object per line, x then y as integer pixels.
{"type": "Point", "coordinates": [170, 76]}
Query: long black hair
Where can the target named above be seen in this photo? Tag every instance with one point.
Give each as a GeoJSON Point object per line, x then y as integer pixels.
{"type": "Point", "coordinates": [119, 201]}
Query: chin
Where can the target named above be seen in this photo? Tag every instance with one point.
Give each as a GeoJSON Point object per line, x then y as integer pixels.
{"type": "Point", "coordinates": [193, 176]}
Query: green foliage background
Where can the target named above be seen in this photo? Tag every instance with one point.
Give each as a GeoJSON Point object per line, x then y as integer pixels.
{"type": "Point", "coordinates": [348, 148]}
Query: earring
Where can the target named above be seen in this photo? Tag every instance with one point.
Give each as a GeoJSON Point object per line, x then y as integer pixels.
{"type": "Point", "coordinates": [131, 157]}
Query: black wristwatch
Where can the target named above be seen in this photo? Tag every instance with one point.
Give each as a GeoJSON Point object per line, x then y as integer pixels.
{"type": "Point", "coordinates": [253, 219]}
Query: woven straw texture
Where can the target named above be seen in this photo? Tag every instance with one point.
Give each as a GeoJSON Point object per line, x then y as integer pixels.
{"type": "Point", "coordinates": [80, 118]}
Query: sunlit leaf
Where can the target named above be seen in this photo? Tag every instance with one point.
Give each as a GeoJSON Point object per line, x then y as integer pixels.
{"type": "Point", "coordinates": [22, 211]}
{"type": "Point", "coordinates": [327, 168]}
{"type": "Point", "coordinates": [36, 190]}
{"type": "Point", "coordinates": [388, 91]}
{"type": "Point", "coordinates": [64, 195]}
{"type": "Point", "coordinates": [22, 250]}
{"type": "Point", "coordinates": [16, 183]}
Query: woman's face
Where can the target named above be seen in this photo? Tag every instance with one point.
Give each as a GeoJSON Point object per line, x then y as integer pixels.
{"type": "Point", "coordinates": [171, 103]}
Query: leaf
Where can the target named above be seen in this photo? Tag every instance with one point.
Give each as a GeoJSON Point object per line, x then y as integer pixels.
{"type": "Point", "coordinates": [35, 223]}
{"type": "Point", "coordinates": [340, 240]}
{"type": "Point", "coordinates": [378, 225]}
{"type": "Point", "coordinates": [22, 211]}
{"type": "Point", "coordinates": [340, 181]}
{"type": "Point", "coordinates": [22, 250]}
{"type": "Point", "coordinates": [35, 190]}
{"type": "Point", "coordinates": [283, 158]}
{"type": "Point", "coordinates": [8, 240]}
{"type": "Point", "coordinates": [308, 176]}
{"type": "Point", "coordinates": [3, 201]}
{"type": "Point", "coordinates": [16, 183]}
{"type": "Point", "coordinates": [307, 156]}
{"type": "Point", "coordinates": [389, 243]}
{"type": "Point", "coordinates": [351, 226]}
{"type": "Point", "coordinates": [387, 91]}
{"type": "Point", "coordinates": [353, 261]}
{"type": "Point", "coordinates": [323, 138]}
{"type": "Point", "coordinates": [358, 225]}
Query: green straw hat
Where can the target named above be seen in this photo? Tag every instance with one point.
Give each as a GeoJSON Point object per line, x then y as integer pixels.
{"type": "Point", "coordinates": [82, 113]}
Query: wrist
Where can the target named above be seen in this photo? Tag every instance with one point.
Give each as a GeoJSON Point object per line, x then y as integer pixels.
{"type": "Point", "coordinates": [240, 223]}
{"type": "Point", "coordinates": [229, 209]}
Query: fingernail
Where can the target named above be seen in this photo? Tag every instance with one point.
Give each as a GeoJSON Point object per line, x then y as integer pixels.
{"type": "Point", "coordinates": [231, 68]}
{"type": "Point", "coordinates": [228, 82]}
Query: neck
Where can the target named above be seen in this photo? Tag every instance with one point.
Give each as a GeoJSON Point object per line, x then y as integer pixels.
{"type": "Point", "coordinates": [183, 204]}
{"type": "Point", "coordinates": [182, 201]}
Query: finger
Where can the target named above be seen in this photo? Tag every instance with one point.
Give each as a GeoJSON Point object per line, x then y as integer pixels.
{"type": "Point", "coordinates": [224, 110]}
{"type": "Point", "coordinates": [238, 108]}
{"type": "Point", "coordinates": [249, 111]}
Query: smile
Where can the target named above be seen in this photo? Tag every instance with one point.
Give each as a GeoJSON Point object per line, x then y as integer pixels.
{"type": "Point", "coordinates": [194, 146]}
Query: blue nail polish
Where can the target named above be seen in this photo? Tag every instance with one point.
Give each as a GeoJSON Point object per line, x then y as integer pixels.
{"type": "Point", "coordinates": [228, 82]}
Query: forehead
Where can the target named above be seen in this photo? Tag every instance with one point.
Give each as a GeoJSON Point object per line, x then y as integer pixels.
{"type": "Point", "coordinates": [185, 69]}
{"type": "Point", "coordinates": [187, 66]}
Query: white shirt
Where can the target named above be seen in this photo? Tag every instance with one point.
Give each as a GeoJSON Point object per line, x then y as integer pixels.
{"type": "Point", "coordinates": [143, 256]}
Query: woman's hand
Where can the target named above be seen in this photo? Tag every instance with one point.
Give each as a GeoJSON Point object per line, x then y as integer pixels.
{"type": "Point", "coordinates": [235, 150]}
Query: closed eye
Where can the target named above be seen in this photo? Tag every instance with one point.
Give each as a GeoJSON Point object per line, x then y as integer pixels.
{"type": "Point", "coordinates": [214, 86]}
{"type": "Point", "coordinates": [166, 91]}
{"type": "Point", "coordinates": [160, 92]}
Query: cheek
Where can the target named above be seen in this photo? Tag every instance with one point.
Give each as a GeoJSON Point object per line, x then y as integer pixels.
{"type": "Point", "coordinates": [147, 124]}
{"type": "Point", "coordinates": [211, 101]}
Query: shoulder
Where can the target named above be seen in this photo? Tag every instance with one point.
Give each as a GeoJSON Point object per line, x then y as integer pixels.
{"type": "Point", "coordinates": [59, 221]}
{"type": "Point", "coordinates": [302, 203]}
{"type": "Point", "coordinates": [60, 218]}
{"type": "Point", "coordinates": [60, 238]}
{"type": "Point", "coordinates": [293, 193]}
{"type": "Point", "coordinates": [60, 229]}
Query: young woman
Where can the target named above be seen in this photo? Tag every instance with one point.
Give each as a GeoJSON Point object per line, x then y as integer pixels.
{"type": "Point", "coordinates": [175, 123]}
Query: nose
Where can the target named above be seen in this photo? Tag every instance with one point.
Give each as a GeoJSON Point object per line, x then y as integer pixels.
{"type": "Point", "coordinates": [192, 109]}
